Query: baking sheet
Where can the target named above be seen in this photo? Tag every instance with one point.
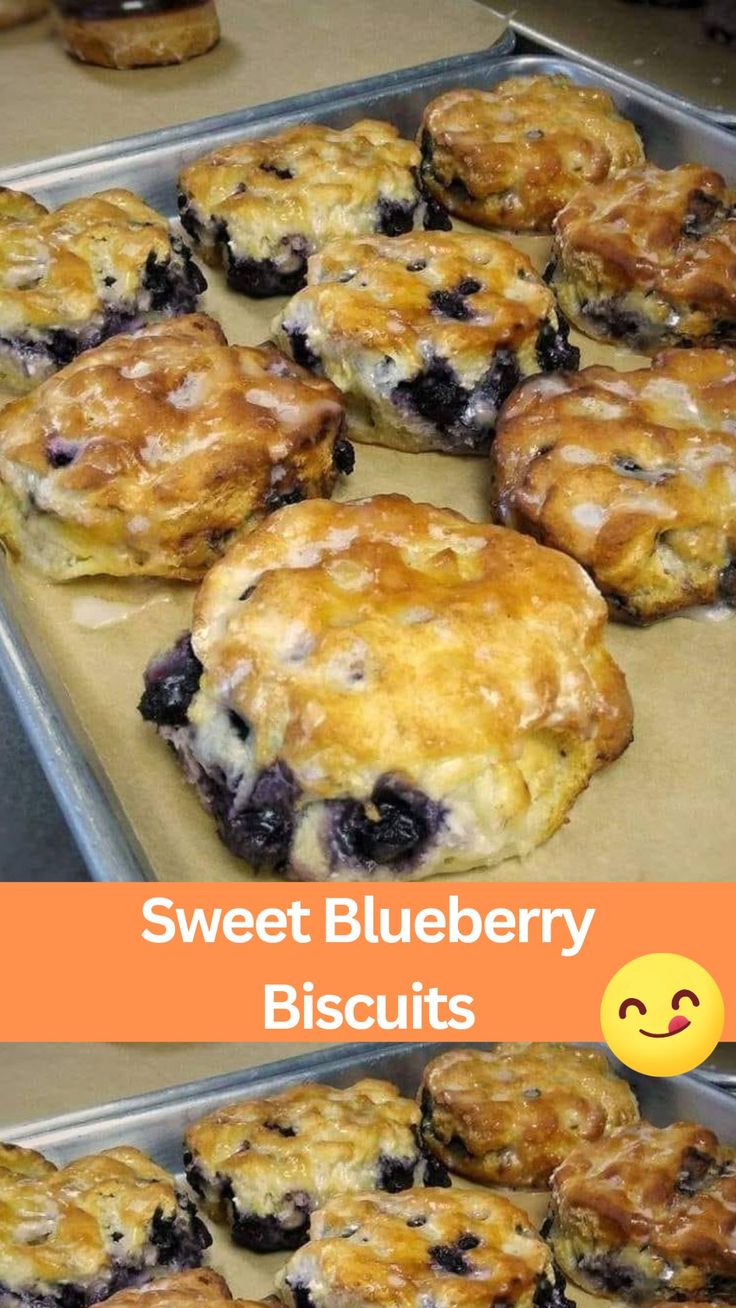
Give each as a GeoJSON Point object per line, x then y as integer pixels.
{"type": "Point", "coordinates": [663, 812]}
{"type": "Point", "coordinates": [156, 1123]}
{"type": "Point", "coordinates": [269, 48]}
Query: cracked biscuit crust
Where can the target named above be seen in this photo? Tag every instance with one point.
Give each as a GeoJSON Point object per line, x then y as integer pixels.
{"type": "Point", "coordinates": [649, 258]}
{"type": "Point", "coordinates": [261, 208]}
{"type": "Point", "coordinates": [648, 1213]}
{"type": "Point", "coordinates": [265, 1165]}
{"type": "Point", "coordinates": [71, 278]}
{"type": "Point", "coordinates": [510, 1116]}
{"type": "Point", "coordinates": [71, 1236]}
{"type": "Point", "coordinates": [425, 334]}
{"type": "Point", "coordinates": [446, 1248]}
{"type": "Point", "coordinates": [383, 688]}
{"type": "Point", "coordinates": [145, 455]}
{"type": "Point", "coordinates": [633, 474]}
{"type": "Point", "coordinates": [512, 157]}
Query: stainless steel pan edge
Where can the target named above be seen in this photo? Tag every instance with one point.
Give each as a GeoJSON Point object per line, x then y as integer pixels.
{"type": "Point", "coordinates": [156, 1122]}
{"type": "Point", "coordinates": [149, 164]}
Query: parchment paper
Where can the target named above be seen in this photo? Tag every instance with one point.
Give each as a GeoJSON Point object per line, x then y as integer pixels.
{"type": "Point", "coordinates": [664, 811]}
{"type": "Point", "coordinates": [269, 49]}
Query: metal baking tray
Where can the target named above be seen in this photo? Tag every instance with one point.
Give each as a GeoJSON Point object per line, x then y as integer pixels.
{"type": "Point", "coordinates": [149, 165]}
{"type": "Point", "coordinates": [156, 1122]}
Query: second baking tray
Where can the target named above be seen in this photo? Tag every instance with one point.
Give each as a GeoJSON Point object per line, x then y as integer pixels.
{"type": "Point", "coordinates": [73, 656]}
{"type": "Point", "coordinates": [156, 1123]}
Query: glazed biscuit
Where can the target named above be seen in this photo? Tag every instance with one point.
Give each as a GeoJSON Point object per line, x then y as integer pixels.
{"type": "Point", "coordinates": [265, 1165]}
{"type": "Point", "coordinates": [426, 334]}
{"type": "Point", "coordinates": [443, 1248]}
{"type": "Point", "coordinates": [510, 1116]}
{"type": "Point", "coordinates": [385, 689]}
{"type": "Point", "coordinates": [260, 208]}
{"type": "Point", "coordinates": [145, 455]}
{"type": "Point", "coordinates": [73, 1235]}
{"type": "Point", "coordinates": [633, 474]}
{"type": "Point", "coordinates": [71, 278]}
{"type": "Point", "coordinates": [512, 157]}
{"type": "Point", "coordinates": [647, 1214]}
{"type": "Point", "coordinates": [648, 259]}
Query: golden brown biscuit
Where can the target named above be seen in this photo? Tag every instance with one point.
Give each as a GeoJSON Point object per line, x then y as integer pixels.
{"type": "Point", "coordinates": [442, 1247]}
{"type": "Point", "coordinates": [425, 334]}
{"type": "Point", "coordinates": [383, 688]}
{"type": "Point", "coordinates": [150, 32]}
{"type": "Point", "coordinates": [648, 258]}
{"type": "Point", "coordinates": [265, 1165]}
{"type": "Point", "coordinates": [70, 1236]}
{"type": "Point", "coordinates": [513, 156]}
{"type": "Point", "coordinates": [633, 474]}
{"type": "Point", "coordinates": [510, 1115]}
{"type": "Point", "coordinates": [71, 278]}
{"type": "Point", "coordinates": [260, 208]}
{"type": "Point", "coordinates": [648, 1213]}
{"type": "Point", "coordinates": [144, 456]}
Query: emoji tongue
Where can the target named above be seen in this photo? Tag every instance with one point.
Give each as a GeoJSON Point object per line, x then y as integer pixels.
{"type": "Point", "coordinates": [677, 1024]}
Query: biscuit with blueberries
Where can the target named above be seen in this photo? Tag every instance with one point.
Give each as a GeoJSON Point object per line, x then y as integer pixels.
{"type": "Point", "coordinates": [71, 278]}
{"type": "Point", "coordinates": [261, 208]}
{"type": "Point", "coordinates": [648, 259]}
{"type": "Point", "coordinates": [510, 1115]}
{"type": "Point", "coordinates": [73, 1235]}
{"type": "Point", "coordinates": [511, 157]}
{"type": "Point", "coordinates": [633, 474]}
{"type": "Point", "coordinates": [648, 1213]}
{"type": "Point", "coordinates": [426, 335]}
{"type": "Point", "coordinates": [265, 1165]}
{"type": "Point", "coordinates": [385, 689]}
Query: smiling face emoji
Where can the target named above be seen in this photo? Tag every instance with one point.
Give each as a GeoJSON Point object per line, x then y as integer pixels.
{"type": "Point", "coordinates": [662, 1014]}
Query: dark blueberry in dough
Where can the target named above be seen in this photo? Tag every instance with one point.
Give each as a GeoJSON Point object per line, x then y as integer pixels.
{"type": "Point", "coordinates": [300, 349]}
{"type": "Point", "coordinates": [727, 583]}
{"type": "Point", "coordinates": [451, 304]}
{"type": "Point", "coordinates": [435, 395]}
{"type": "Point", "coordinates": [554, 351]}
{"type": "Point", "coordinates": [701, 211]}
{"type": "Point", "coordinates": [395, 217]}
{"type": "Point", "coordinates": [238, 724]}
{"type": "Point", "coordinates": [278, 499]}
{"type": "Point", "coordinates": [450, 1258]}
{"type": "Point", "coordinates": [261, 831]}
{"type": "Point", "coordinates": [343, 456]}
{"type": "Point", "coordinates": [171, 682]}
{"type": "Point", "coordinates": [694, 1170]}
{"type": "Point", "coordinates": [268, 1234]}
{"type": "Point", "coordinates": [285, 174]}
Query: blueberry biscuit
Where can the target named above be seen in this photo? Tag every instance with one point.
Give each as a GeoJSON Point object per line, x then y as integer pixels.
{"type": "Point", "coordinates": [648, 258]}
{"type": "Point", "coordinates": [648, 1213]}
{"type": "Point", "coordinates": [73, 1235]}
{"type": "Point", "coordinates": [426, 334]}
{"type": "Point", "coordinates": [633, 474]}
{"type": "Point", "coordinates": [443, 1248]}
{"type": "Point", "coordinates": [199, 1288]}
{"type": "Point", "coordinates": [145, 455]}
{"type": "Point", "coordinates": [513, 156]}
{"type": "Point", "coordinates": [71, 278]}
{"type": "Point", "coordinates": [384, 689]}
{"type": "Point", "coordinates": [509, 1116]}
{"type": "Point", "coordinates": [260, 208]}
{"type": "Point", "coordinates": [265, 1165]}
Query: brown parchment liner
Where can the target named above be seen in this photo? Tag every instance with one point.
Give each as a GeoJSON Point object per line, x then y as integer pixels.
{"type": "Point", "coordinates": [665, 811]}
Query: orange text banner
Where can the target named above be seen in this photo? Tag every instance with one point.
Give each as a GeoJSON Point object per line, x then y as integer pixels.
{"type": "Point", "coordinates": [289, 962]}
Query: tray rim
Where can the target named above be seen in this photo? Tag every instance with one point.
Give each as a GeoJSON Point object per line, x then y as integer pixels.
{"type": "Point", "coordinates": [103, 833]}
